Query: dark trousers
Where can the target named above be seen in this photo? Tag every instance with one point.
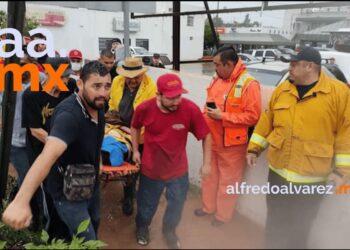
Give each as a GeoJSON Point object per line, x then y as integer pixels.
{"type": "Point", "coordinates": [73, 213]}
{"type": "Point", "coordinates": [130, 183]}
{"type": "Point", "coordinates": [148, 197]}
{"type": "Point", "coordinates": [289, 217]}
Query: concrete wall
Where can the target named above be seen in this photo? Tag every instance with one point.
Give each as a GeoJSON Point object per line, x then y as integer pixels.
{"type": "Point", "coordinates": [331, 228]}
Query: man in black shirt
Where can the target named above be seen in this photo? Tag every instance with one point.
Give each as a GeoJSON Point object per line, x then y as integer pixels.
{"type": "Point", "coordinates": [108, 60]}
{"type": "Point", "coordinates": [77, 130]}
{"type": "Point", "coordinates": [37, 110]}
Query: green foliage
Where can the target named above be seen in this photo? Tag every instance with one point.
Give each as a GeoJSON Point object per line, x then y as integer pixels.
{"type": "Point", "coordinates": [3, 19]}
{"type": "Point", "coordinates": [76, 243]}
{"type": "Point", "coordinates": [208, 37]}
{"type": "Point", "coordinates": [12, 237]}
{"type": "Point", "coordinates": [36, 240]}
{"type": "Point", "coordinates": [29, 22]}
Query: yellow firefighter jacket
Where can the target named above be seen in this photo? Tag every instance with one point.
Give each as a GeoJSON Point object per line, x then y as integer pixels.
{"type": "Point", "coordinates": [146, 91]}
{"type": "Point", "coordinates": [307, 137]}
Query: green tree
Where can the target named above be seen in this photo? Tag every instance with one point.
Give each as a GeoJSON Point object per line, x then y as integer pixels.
{"type": "Point", "coordinates": [29, 23]}
{"type": "Point", "coordinates": [208, 37]}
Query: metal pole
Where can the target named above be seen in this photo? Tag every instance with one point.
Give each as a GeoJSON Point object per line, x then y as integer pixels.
{"type": "Point", "coordinates": [216, 41]}
{"type": "Point", "coordinates": [176, 35]}
{"type": "Point", "coordinates": [126, 10]}
{"type": "Point", "coordinates": [16, 14]}
{"type": "Point", "coordinates": [251, 9]}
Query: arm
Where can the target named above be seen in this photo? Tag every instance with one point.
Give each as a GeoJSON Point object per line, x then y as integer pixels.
{"type": "Point", "coordinates": [206, 145]}
{"type": "Point", "coordinates": [341, 173]}
{"type": "Point", "coordinates": [113, 103]}
{"type": "Point", "coordinates": [18, 214]}
{"type": "Point", "coordinates": [39, 134]}
{"type": "Point", "coordinates": [135, 139]}
{"type": "Point", "coordinates": [258, 142]}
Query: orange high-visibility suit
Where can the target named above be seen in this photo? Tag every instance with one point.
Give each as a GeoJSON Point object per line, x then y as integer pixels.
{"type": "Point", "coordinates": [240, 101]}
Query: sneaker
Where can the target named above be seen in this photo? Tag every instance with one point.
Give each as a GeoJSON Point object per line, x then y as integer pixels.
{"type": "Point", "coordinates": [142, 236]}
{"type": "Point", "coordinates": [172, 240]}
{"type": "Point", "coordinates": [217, 223]}
{"type": "Point", "coordinates": [199, 212]}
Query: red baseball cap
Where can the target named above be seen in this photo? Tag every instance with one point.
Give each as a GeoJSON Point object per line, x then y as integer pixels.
{"type": "Point", "coordinates": [74, 53]}
{"type": "Point", "coordinates": [170, 85]}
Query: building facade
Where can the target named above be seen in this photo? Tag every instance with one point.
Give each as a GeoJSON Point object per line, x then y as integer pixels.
{"type": "Point", "coordinates": [88, 30]}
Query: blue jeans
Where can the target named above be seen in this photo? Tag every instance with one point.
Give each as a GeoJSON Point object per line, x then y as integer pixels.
{"type": "Point", "coordinates": [19, 159]}
{"type": "Point", "coordinates": [73, 213]}
{"type": "Point", "coordinates": [148, 197]}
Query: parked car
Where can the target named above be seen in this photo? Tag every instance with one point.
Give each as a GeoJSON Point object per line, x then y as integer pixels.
{"type": "Point", "coordinates": [274, 73]}
{"type": "Point", "coordinates": [268, 54]}
{"type": "Point", "coordinates": [271, 74]}
{"type": "Point", "coordinates": [147, 59]}
{"type": "Point", "coordinates": [247, 58]}
{"type": "Point", "coordinates": [138, 51]}
{"type": "Point", "coordinates": [342, 60]}
{"type": "Point", "coordinates": [287, 51]}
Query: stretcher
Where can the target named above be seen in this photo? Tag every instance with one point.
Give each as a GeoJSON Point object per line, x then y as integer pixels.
{"type": "Point", "coordinates": [112, 173]}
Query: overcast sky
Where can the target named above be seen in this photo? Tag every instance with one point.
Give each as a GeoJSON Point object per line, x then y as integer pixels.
{"type": "Point", "coordinates": [268, 18]}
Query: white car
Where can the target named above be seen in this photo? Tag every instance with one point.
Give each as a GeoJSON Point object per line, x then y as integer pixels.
{"type": "Point", "coordinates": [342, 60]}
{"type": "Point", "coordinates": [138, 51]}
{"type": "Point", "coordinates": [268, 54]}
{"type": "Point", "coordinates": [248, 58]}
{"type": "Point", "coordinates": [147, 59]}
{"type": "Point", "coordinates": [276, 72]}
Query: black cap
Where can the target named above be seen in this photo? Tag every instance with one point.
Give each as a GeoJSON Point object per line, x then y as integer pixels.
{"type": "Point", "coordinates": [116, 40]}
{"type": "Point", "coordinates": [308, 54]}
{"type": "Point", "coordinates": [57, 61]}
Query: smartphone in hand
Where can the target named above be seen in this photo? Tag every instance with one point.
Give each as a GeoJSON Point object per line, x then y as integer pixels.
{"type": "Point", "coordinates": [211, 105]}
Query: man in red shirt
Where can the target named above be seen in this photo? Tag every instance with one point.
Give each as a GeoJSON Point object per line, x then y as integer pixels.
{"type": "Point", "coordinates": [167, 119]}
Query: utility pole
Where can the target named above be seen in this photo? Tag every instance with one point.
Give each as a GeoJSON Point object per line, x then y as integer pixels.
{"type": "Point", "coordinates": [16, 13]}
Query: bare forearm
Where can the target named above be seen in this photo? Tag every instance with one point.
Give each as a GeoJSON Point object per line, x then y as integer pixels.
{"type": "Point", "coordinates": [39, 134]}
{"type": "Point", "coordinates": [206, 144]}
{"type": "Point", "coordinates": [135, 139]}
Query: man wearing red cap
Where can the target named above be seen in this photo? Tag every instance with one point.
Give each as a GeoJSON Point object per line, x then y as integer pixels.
{"type": "Point", "coordinates": [167, 119]}
{"type": "Point", "coordinates": [76, 58]}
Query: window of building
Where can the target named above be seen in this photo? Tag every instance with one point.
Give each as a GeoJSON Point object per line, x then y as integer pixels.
{"type": "Point", "coordinates": [190, 21]}
{"type": "Point", "coordinates": [142, 43]}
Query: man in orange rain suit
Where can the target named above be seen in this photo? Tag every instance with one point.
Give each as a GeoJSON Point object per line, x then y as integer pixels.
{"type": "Point", "coordinates": [238, 106]}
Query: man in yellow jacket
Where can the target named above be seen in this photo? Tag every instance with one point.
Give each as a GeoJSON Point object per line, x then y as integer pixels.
{"type": "Point", "coordinates": [129, 89]}
{"type": "Point", "coordinates": [306, 128]}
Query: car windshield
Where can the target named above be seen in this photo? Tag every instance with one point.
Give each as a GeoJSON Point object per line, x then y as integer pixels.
{"type": "Point", "coordinates": [141, 51]}
{"type": "Point", "coordinates": [266, 77]}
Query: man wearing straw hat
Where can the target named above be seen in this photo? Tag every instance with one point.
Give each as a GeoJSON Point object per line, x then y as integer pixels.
{"type": "Point", "coordinates": [129, 89]}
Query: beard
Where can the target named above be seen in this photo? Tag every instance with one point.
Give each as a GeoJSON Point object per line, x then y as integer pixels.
{"type": "Point", "coordinates": [94, 103]}
{"type": "Point", "coordinates": [172, 108]}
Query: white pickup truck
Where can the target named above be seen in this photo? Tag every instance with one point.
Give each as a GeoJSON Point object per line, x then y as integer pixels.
{"type": "Point", "coordinates": [342, 59]}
